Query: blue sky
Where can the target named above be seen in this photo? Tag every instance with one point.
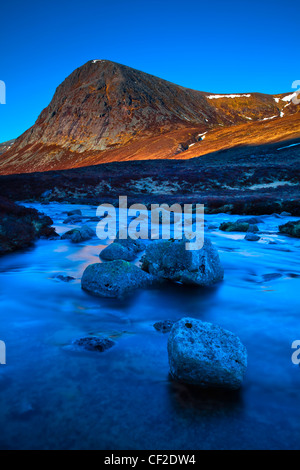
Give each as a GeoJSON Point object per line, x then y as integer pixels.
{"type": "Point", "coordinates": [216, 46]}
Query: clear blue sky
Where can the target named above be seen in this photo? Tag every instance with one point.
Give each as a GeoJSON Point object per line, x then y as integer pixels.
{"type": "Point", "coordinates": [216, 46]}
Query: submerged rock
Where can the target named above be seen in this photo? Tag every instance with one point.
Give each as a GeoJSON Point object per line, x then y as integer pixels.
{"type": "Point", "coordinates": [169, 259]}
{"type": "Point", "coordinates": [64, 278]}
{"type": "Point", "coordinates": [114, 279]}
{"type": "Point", "coordinates": [252, 237]}
{"type": "Point", "coordinates": [250, 221]}
{"type": "Point", "coordinates": [78, 235]}
{"type": "Point", "coordinates": [74, 219]}
{"type": "Point", "coordinates": [206, 355]}
{"type": "Point", "coordinates": [271, 276]}
{"type": "Point", "coordinates": [74, 212]}
{"type": "Point", "coordinates": [291, 228]}
{"type": "Point", "coordinates": [93, 343]}
{"type": "Point", "coordinates": [164, 326]}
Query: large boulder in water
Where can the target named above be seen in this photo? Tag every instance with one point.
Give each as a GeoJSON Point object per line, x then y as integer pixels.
{"type": "Point", "coordinates": [291, 228]}
{"type": "Point", "coordinates": [78, 235]}
{"type": "Point", "coordinates": [206, 355]}
{"type": "Point", "coordinates": [114, 279]}
{"type": "Point", "coordinates": [169, 259]}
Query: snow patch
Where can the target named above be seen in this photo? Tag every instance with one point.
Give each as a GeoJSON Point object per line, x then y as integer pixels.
{"type": "Point", "coordinates": [269, 118]}
{"type": "Point", "coordinates": [288, 146]}
{"type": "Point", "coordinates": [215, 97]}
{"type": "Point", "coordinates": [275, 184]}
{"type": "Point", "coordinates": [289, 97]}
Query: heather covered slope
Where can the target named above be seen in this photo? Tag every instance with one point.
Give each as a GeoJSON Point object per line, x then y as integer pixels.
{"type": "Point", "coordinates": [246, 179]}
{"type": "Point", "coordinates": [105, 112]}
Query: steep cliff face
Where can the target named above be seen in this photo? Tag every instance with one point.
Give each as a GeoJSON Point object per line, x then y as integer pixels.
{"type": "Point", "coordinates": [109, 112]}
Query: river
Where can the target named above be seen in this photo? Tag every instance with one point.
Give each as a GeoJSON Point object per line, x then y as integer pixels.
{"type": "Point", "coordinates": [54, 398]}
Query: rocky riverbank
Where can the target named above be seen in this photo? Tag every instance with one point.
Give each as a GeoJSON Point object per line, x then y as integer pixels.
{"type": "Point", "coordinates": [20, 226]}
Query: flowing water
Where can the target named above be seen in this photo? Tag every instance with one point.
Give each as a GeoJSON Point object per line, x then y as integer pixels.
{"type": "Point", "coordinates": [54, 398]}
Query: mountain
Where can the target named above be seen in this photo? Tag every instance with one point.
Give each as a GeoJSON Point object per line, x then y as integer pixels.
{"type": "Point", "coordinates": [105, 112]}
{"type": "Point", "coordinates": [6, 146]}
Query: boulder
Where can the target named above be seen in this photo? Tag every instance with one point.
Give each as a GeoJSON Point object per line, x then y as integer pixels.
{"type": "Point", "coordinates": [291, 228]}
{"type": "Point", "coordinates": [115, 251]}
{"type": "Point", "coordinates": [137, 246]}
{"type": "Point", "coordinates": [169, 259]}
{"type": "Point", "coordinates": [234, 227]}
{"type": "Point", "coordinates": [74, 212]}
{"type": "Point", "coordinates": [252, 237]}
{"type": "Point", "coordinates": [285, 214]}
{"type": "Point", "coordinates": [47, 194]}
{"type": "Point", "coordinates": [114, 279]}
{"type": "Point", "coordinates": [206, 355]}
{"type": "Point", "coordinates": [253, 228]}
{"type": "Point", "coordinates": [126, 250]}
{"type": "Point", "coordinates": [78, 235]}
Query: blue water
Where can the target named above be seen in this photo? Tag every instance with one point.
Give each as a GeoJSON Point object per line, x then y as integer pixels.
{"type": "Point", "coordinates": [53, 398]}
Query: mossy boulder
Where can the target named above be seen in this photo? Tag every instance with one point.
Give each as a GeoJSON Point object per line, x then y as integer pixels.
{"type": "Point", "coordinates": [234, 227]}
{"type": "Point", "coordinates": [291, 228]}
